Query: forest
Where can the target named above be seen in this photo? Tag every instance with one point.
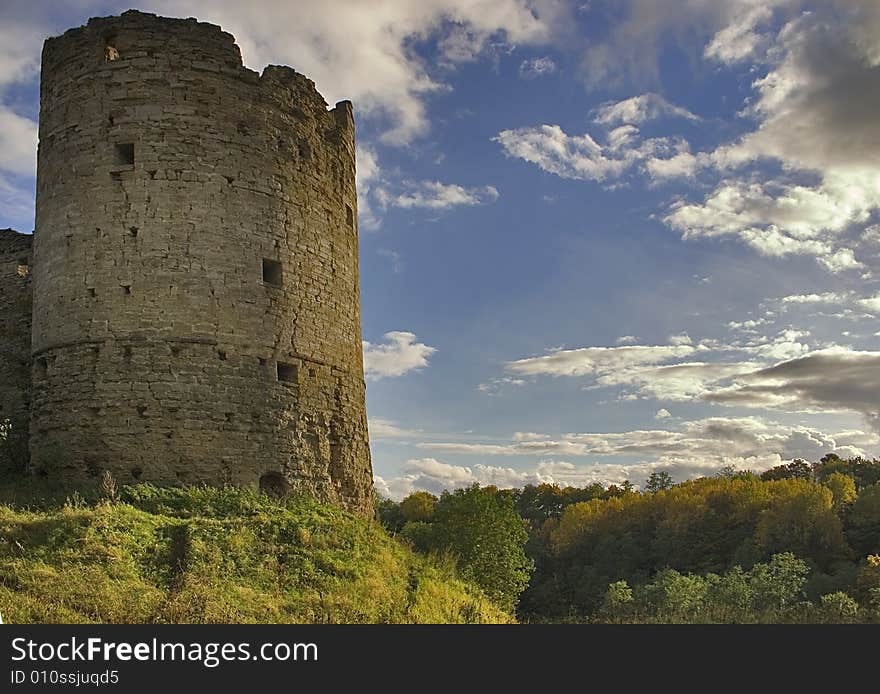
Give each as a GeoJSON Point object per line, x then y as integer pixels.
{"type": "Point", "coordinates": [799, 543]}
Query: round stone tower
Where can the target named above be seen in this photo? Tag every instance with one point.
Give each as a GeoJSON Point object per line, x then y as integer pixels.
{"type": "Point", "coordinates": [195, 274]}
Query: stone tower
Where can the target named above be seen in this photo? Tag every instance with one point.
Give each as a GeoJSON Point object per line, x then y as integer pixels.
{"type": "Point", "coordinates": [15, 331]}
{"type": "Point", "coordinates": [196, 312]}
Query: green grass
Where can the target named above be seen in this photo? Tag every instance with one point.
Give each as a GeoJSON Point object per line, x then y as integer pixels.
{"type": "Point", "coordinates": [209, 555]}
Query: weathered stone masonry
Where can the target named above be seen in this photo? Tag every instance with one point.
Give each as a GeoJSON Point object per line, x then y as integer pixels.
{"type": "Point", "coordinates": [15, 328]}
{"type": "Point", "coordinates": [196, 310]}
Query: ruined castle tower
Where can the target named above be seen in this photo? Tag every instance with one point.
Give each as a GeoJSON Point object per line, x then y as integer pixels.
{"type": "Point", "coordinates": [15, 331]}
{"type": "Point", "coordinates": [196, 310]}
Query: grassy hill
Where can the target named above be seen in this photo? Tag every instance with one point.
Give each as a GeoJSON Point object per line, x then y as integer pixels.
{"type": "Point", "coordinates": [194, 555]}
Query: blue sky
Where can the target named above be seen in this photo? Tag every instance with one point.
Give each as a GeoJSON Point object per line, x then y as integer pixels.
{"type": "Point", "coordinates": [597, 238]}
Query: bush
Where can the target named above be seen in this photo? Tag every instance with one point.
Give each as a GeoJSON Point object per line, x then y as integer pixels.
{"type": "Point", "coordinates": [481, 528]}
{"type": "Point", "coordinates": [838, 608]}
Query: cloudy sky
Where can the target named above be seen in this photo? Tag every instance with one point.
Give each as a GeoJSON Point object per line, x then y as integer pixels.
{"type": "Point", "coordinates": [598, 238]}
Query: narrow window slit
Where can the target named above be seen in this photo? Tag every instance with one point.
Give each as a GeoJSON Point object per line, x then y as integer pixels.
{"type": "Point", "coordinates": [124, 154]}
{"type": "Point", "coordinates": [287, 372]}
{"type": "Point", "coordinates": [272, 272]}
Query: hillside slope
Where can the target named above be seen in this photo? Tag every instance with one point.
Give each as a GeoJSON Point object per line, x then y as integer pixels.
{"type": "Point", "coordinates": [199, 554]}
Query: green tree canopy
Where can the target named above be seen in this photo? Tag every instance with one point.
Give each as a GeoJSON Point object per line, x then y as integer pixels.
{"type": "Point", "coordinates": [864, 530]}
{"type": "Point", "coordinates": [486, 534]}
{"type": "Point", "coordinates": [796, 469]}
{"type": "Point", "coordinates": [418, 506]}
{"type": "Point", "coordinates": [843, 490]}
{"type": "Point", "coordinates": [658, 481]}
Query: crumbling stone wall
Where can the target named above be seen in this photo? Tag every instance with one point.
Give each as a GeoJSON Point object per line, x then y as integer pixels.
{"type": "Point", "coordinates": [196, 296]}
{"type": "Point", "coordinates": [15, 338]}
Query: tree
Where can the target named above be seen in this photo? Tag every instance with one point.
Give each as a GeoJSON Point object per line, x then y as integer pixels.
{"type": "Point", "coordinates": [388, 514]}
{"type": "Point", "coordinates": [843, 490]}
{"type": "Point", "coordinates": [778, 583]}
{"type": "Point", "coordinates": [864, 521]}
{"type": "Point", "coordinates": [731, 593]}
{"type": "Point", "coordinates": [838, 608]}
{"type": "Point", "coordinates": [864, 472]}
{"type": "Point", "coordinates": [618, 601]}
{"type": "Point", "coordinates": [658, 481]}
{"type": "Point", "coordinates": [800, 519]}
{"type": "Point", "coordinates": [796, 469]}
{"type": "Point", "coordinates": [483, 530]}
{"type": "Point", "coordinates": [418, 506]}
{"type": "Point", "coordinates": [673, 596]}
{"type": "Point", "coordinates": [537, 503]}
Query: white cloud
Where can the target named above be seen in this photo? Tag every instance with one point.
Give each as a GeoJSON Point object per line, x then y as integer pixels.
{"type": "Point", "coordinates": [749, 326]}
{"type": "Point", "coordinates": [775, 222]}
{"type": "Point", "coordinates": [815, 109]}
{"type": "Point", "coordinates": [362, 51]}
{"type": "Point", "coordinates": [682, 339]}
{"type": "Point", "coordinates": [17, 202]}
{"type": "Point", "coordinates": [592, 360]}
{"type": "Point", "coordinates": [697, 448]}
{"type": "Point", "coordinates": [683, 164]}
{"type": "Point", "coordinates": [529, 448]}
{"type": "Point", "coordinates": [381, 428]}
{"type": "Point", "coordinates": [627, 340]}
{"type": "Point", "coordinates": [630, 50]}
{"type": "Point", "coordinates": [440, 196]}
{"type": "Point", "coordinates": [662, 413]}
{"type": "Point", "coordinates": [568, 156]}
{"type": "Point", "coordinates": [871, 235]}
{"type": "Point", "coordinates": [20, 44]}
{"type": "Point", "coordinates": [824, 298]}
{"type": "Point", "coordinates": [871, 304]}
{"type": "Point", "coordinates": [376, 192]}
{"type": "Point", "coordinates": [426, 474]}
{"type": "Point", "coordinates": [779, 371]}
{"type": "Point", "coordinates": [849, 303]}
{"type": "Point", "coordinates": [18, 143]}
{"type": "Point", "coordinates": [841, 259]}
{"type": "Point", "coordinates": [529, 436]}
{"type": "Point", "coordinates": [394, 258]}
{"type": "Point", "coordinates": [494, 386]}
{"type": "Point", "coordinates": [683, 382]}
{"type": "Point", "coordinates": [835, 379]}
{"type": "Point", "coordinates": [785, 345]}
{"type": "Point", "coordinates": [367, 173]}
{"type": "Point", "coordinates": [581, 157]}
{"type": "Point", "coordinates": [816, 96]}
{"type": "Point", "coordinates": [639, 109]}
{"type": "Point", "coordinates": [398, 356]}
{"type": "Point", "coordinates": [537, 67]}
{"type": "Point", "coordinates": [739, 41]}
{"type": "Point", "coordinates": [710, 438]}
